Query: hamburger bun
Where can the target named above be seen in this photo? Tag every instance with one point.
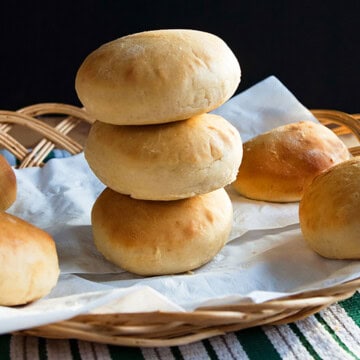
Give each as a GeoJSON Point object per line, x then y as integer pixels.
{"type": "Point", "coordinates": [166, 161]}
{"type": "Point", "coordinates": [329, 212]}
{"type": "Point", "coordinates": [161, 237]}
{"type": "Point", "coordinates": [8, 186]}
{"type": "Point", "coordinates": [157, 76]}
{"type": "Point", "coordinates": [279, 164]}
{"type": "Point", "coordinates": [29, 264]}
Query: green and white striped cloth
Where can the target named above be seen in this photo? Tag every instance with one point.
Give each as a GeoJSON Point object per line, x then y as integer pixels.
{"type": "Point", "coordinates": [333, 333]}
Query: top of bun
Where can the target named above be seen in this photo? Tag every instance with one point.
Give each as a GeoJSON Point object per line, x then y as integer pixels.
{"type": "Point", "coordinates": [8, 186]}
{"type": "Point", "coordinates": [157, 76]}
{"type": "Point", "coordinates": [161, 237]}
{"type": "Point", "coordinates": [279, 164]}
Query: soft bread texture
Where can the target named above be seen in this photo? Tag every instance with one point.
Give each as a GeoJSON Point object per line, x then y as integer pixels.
{"type": "Point", "coordinates": [279, 164]}
{"type": "Point", "coordinates": [157, 76]}
{"type": "Point", "coordinates": [8, 187]}
{"type": "Point", "coordinates": [329, 212]}
{"type": "Point", "coordinates": [166, 161]}
{"type": "Point", "coordinates": [161, 237]}
{"type": "Point", "coordinates": [28, 262]}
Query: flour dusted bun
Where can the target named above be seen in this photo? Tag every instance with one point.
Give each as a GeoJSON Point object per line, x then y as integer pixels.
{"type": "Point", "coordinates": [166, 161]}
{"type": "Point", "coordinates": [279, 164]}
{"type": "Point", "coordinates": [157, 76]}
{"type": "Point", "coordinates": [29, 264]}
{"type": "Point", "coordinates": [330, 212]}
{"type": "Point", "coordinates": [7, 185]}
{"type": "Point", "coordinates": [161, 237]}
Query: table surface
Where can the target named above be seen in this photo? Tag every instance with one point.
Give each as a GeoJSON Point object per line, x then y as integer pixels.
{"type": "Point", "coordinates": [333, 333]}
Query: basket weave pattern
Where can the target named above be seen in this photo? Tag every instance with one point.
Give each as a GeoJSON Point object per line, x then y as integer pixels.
{"type": "Point", "coordinates": [161, 328]}
{"type": "Point", "coordinates": [52, 136]}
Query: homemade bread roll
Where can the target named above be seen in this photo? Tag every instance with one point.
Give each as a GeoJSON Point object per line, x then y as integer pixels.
{"type": "Point", "coordinates": [279, 164]}
{"type": "Point", "coordinates": [166, 161]}
{"type": "Point", "coordinates": [8, 186]}
{"type": "Point", "coordinates": [29, 264]}
{"type": "Point", "coordinates": [161, 237]}
{"type": "Point", "coordinates": [157, 76]}
{"type": "Point", "coordinates": [329, 212]}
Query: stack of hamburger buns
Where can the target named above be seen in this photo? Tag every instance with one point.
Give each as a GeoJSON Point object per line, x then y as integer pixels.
{"type": "Point", "coordinates": [164, 159]}
{"type": "Point", "coordinates": [29, 264]}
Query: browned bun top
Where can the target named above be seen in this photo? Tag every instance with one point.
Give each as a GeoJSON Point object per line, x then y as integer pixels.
{"type": "Point", "coordinates": [329, 212]}
{"type": "Point", "coordinates": [279, 164]}
{"type": "Point", "coordinates": [8, 186]}
{"type": "Point", "coordinates": [157, 76]}
{"type": "Point", "coordinates": [165, 161]}
{"type": "Point", "coordinates": [161, 237]}
{"type": "Point", "coordinates": [29, 264]}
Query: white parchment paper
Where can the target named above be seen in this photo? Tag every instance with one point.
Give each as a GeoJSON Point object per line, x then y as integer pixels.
{"type": "Point", "coordinates": [265, 257]}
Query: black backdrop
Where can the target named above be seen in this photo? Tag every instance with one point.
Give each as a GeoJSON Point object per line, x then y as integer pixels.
{"type": "Point", "coordinates": [312, 47]}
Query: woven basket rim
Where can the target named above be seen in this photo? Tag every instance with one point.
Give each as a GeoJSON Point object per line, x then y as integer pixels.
{"type": "Point", "coordinates": [161, 328]}
{"type": "Point", "coordinates": [165, 328]}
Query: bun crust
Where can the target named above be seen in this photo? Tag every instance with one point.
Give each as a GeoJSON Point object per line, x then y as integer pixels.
{"type": "Point", "coordinates": [167, 161]}
{"type": "Point", "coordinates": [8, 186]}
{"type": "Point", "coordinates": [157, 237]}
{"type": "Point", "coordinates": [329, 212]}
{"type": "Point", "coordinates": [279, 164]}
{"type": "Point", "coordinates": [157, 76]}
{"type": "Point", "coordinates": [29, 264]}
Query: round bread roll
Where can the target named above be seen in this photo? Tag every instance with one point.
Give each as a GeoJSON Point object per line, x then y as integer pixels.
{"type": "Point", "coordinates": [161, 237]}
{"type": "Point", "coordinates": [329, 212]}
{"type": "Point", "coordinates": [157, 76]}
{"type": "Point", "coordinates": [166, 161]}
{"type": "Point", "coordinates": [279, 164]}
{"type": "Point", "coordinates": [29, 264]}
{"type": "Point", "coordinates": [8, 186]}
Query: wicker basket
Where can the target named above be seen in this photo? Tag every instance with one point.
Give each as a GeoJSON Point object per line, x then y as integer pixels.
{"type": "Point", "coordinates": [157, 328]}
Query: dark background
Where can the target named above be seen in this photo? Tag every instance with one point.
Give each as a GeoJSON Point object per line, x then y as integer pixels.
{"type": "Point", "coordinates": [312, 47]}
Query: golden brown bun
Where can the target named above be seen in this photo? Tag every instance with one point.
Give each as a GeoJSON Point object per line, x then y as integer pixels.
{"type": "Point", "coordinates": [161, 237]}
{"type": "Point", "coordinates": [166, 161]}
{"type": "Point", "coordinates": [279, 164]}
{"type": "Point", "coordinates": [7, 185]}
{"type": "Point", "coordinates": [330, 212]}
{"type": "Point", "coordinates": [157, 76]}
{"type": "Point", "coordinates": [29, 264]}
